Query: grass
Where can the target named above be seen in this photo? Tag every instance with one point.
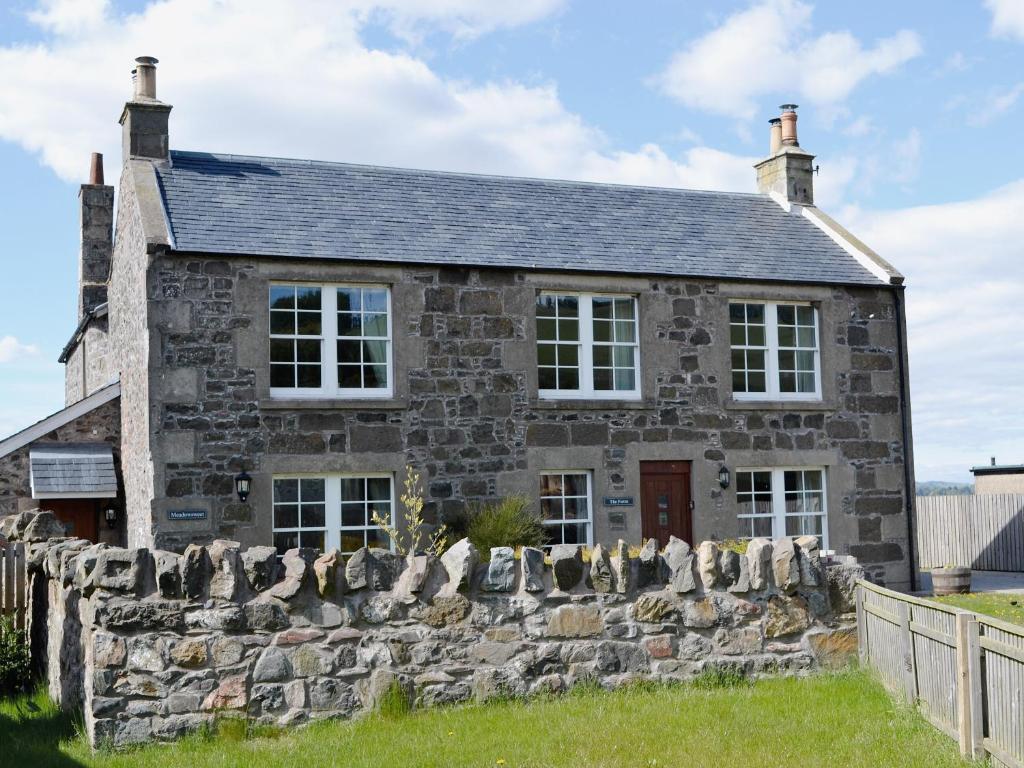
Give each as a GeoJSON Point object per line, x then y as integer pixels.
{"type": "Point", "coordinates": [844, 719]}
{"type": "Point", "coordinates": [1002, 605]}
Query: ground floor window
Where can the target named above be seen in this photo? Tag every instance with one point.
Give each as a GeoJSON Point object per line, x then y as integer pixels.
{"type": "Point", "coordinates": [782, 502]}
{"type": "Point", "coordinates": [333, 511]}
{"type": "Point", "coordinates": [565, 507]}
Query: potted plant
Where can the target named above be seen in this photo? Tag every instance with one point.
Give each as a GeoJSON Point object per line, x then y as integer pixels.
{"type": "Point", "coordinates": [951, 580]}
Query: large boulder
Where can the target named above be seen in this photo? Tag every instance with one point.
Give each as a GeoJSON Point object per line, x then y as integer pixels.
{"type": "Point", "coordinates": [707, 564]}
{"type": "Point", "coordinates": [532, 562]}
{"type": "Point", "coordinates": [566, 566]}
{"type": "Point", "coordinates": [601, 569]}
{"type": "Point", "coordinates": [759, 563]}
{"type": "Point", "coordinates": [327, 571]}
{"type": "Point", "coordinates": [679, 559]}
{"type": "Point", "coordinates": [168, 574]}
{"type": "Point", "coordinates": [260, 566]}
{"type": "Point", "coordinates": [785, 565]}
{"type": "Point", "coordinates": [649, 564]}
{"type": "Point", "coordinates": [460, 561]}
{"type": "Point", "coordinates": [621, 567]}
{"type": "Point", "coordinates": [225, 569]}
{"type": "Point", "coordinates": [810, 561]}
{"type": "Point", "coordinates": [195, 571]}
{"type": "Point", "coordinates": [501, 571]}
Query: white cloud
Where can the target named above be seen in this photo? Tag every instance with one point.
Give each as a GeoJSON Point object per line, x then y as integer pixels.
{"type": "Point", "coordinates": [769, 48]}
{"type": "Point", "coordinates": [995, 104]}
{"type": "Point", "coordinates": [964, 278]}
{"type": "Point", "coordinates": [13, 351]}
{"type": "Point", "coordinates": [296, 79]}
{"type": "Point", "coordinates": [1007, 18]}
{"type": "Point", "coordinates": [69, 17]}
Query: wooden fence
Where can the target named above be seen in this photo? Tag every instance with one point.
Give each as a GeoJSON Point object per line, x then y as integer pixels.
{"type": "Point", "coordinates": [984, 532]}
{"type": "Point", "coordinates": [965, 671]}
{"type": "Point", "coordinates": [13, 582]}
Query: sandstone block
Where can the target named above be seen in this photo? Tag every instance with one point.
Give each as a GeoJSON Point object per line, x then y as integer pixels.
{"type": "Point", "coordinates": [785, 567]}
{"type": "Point", "coordinates": [460, 561]}
{"type": "Point", "coordinates": [601, 569]}
{"type": "Point", "coordinates": [759, 559]}
{"type": "Point", "coordinates": [786, 616]}
{"type": "Point", "coordinates": [621, 567]}
{"type": "Point", "coordinates": [575, 621]}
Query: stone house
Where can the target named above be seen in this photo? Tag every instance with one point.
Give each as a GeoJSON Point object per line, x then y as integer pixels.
{"type": "Point", "coordinates": [637, 362]}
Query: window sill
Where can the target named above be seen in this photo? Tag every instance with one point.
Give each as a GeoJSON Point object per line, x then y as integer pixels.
{"type": "Point", "coordinates": [731, 404]}
{"type": "Point", "coordinates": [332, 404]}
{"type": "Point", "coordinates": [572, 404]}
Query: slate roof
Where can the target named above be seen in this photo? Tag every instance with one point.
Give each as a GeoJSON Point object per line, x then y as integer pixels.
{"type": "Point", "coordinates": [72, 468]}
{"type": "Point", "coordinates": [306, 209]}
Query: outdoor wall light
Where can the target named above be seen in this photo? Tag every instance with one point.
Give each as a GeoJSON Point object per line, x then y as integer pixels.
{"type": "Point", "coordinates": [723, 476]}
{"type": "Point", "coordinates": [110, 515]}
{"type": "Point", "coordinates": [242, 484]}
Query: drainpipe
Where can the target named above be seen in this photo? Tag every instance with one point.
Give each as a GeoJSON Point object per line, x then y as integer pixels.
{"type": "Point", "coordinates": [897, 294]}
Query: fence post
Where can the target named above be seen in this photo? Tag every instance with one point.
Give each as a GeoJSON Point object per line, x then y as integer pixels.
{"type": "Point", "coordinates": [862, 627]}
{"type": "Point", "coordinates": [965, 683]}
{"type": "Point", "coordinates": [976, 746]}
{"type": "Point", "coordinates": [909, 662]}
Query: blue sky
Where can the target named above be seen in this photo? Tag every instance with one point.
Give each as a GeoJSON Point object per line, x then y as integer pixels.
{"type": "Point", "coordinates": [913, 108]}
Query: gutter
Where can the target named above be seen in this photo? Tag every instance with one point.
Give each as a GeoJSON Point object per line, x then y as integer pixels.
{"type": "Point", "coordinates": [98, 311]}
{"type": "Point", "coordinates": [897, 294]}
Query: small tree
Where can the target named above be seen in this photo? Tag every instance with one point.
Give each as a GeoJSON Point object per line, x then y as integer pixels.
{"type": "Point", "coordinates": [416, 536]}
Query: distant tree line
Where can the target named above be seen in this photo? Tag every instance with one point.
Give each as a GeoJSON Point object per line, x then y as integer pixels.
{"type": "Point", "coordinates": [942, 488]}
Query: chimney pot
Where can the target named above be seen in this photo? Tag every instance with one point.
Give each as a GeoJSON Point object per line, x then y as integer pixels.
{"type": "Point", "coordinates": [774, 136]}
{"type": "Point", "coordinates": [789, 125]}
{"type": "Point", "coordinates": [993, 461]}
{"type": "Point", "coordinates": [144, 77]}
{"type": "Point", "coordinates": [96, 169]}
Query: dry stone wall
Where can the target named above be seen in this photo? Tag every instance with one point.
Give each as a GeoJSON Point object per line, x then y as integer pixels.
{"type": "Point", "coordinates": [155, 644]}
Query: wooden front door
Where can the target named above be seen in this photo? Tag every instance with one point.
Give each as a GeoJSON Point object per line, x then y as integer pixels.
{"type": "Point", "coordinates": [81, 517]}
{"type": "Point", "coordinates": [665, 501]}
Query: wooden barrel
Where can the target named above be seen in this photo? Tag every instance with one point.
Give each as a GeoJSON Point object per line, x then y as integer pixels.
{"type": "Point", "coordinates": [951, 581]}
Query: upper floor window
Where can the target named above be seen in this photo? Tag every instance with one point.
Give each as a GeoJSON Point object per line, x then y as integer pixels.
{"type": "Point", "coordinates": [774, 351]}
{"type": "Point", "coordinates": [782, 502]}
{"type": "Point", "coordinates": [332, 511]}
{"type": "Point", "coordinates": [330, 340]}
{"type": "Point", "coordinates": [587, 346]}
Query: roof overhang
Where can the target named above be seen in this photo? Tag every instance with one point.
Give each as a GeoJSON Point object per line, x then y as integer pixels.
{"type": "Point", "coordinates": [60, 418]}
{"type": "Point", "coordinates": [72, 471]}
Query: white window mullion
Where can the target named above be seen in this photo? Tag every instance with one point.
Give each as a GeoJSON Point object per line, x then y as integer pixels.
{"type": "Point", "coordinates": [771, 330]}
{"type": "Point", "coordinates": [329, 328]}
{"type": "Point", "coordinates": [586, 350]}
{"type": "Point", "coordinates": [332, 518]}
{"type": "Point", "coordinates": [779, 503]}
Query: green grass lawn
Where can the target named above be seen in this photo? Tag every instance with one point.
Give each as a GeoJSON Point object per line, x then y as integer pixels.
{"type": "Point", "coordinates": [844, 719]}
{"type": "Point", "coordinates": [1002, 605]}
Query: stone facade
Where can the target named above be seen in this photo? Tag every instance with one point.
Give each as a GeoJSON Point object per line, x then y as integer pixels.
{"type": "Point", "coordinates": [466, 411]}
{"type": "Point", "coordinates": [102, 424]}
{"type": "Point", "coordinates": [88, 366]}
{"type": "Point", "coordinates": [156, 645]}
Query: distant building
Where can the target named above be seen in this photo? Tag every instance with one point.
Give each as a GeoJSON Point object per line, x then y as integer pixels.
{"type": "Point", "coordinates": [998, 478]}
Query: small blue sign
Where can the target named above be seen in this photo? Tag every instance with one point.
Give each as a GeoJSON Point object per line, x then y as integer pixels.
{"type": "Point", "coordinates": [618, 501]}
{"type": "Point", "coordinates": [186, 514]}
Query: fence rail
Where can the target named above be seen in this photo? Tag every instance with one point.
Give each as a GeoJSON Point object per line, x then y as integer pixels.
{"type": "Point", "coordinates": [965, 671]}
{"type": "Point", "coordinates": [984, 532]}
{"type": "Point", "coordinates": [13, 582]}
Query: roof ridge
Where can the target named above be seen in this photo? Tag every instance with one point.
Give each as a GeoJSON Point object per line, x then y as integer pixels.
{"type": "Point", "coordinates": [467, 174]}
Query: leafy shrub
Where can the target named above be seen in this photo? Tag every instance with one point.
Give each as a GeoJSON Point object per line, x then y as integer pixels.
{"type": "Point", "coordinates": [506, 523]}
{"type": "Point", "coordinates": [736, 545]}
{"type": "Point", "coordinates": [15, 663]}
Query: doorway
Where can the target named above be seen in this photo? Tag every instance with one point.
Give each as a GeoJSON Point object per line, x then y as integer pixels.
{"type": "Point", "coordinates": [80, 517]}
{"type": "Point", "coordinates": [665, 501]}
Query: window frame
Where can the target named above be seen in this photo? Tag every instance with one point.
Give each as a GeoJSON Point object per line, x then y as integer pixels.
{"type": "Point", "coordinates": [589, 522]}
{"type": "Point", "coordinates": [771, 332]}
{"type": "Point", "coordinates": [332, 505]}
{"type": "Point", "coordinates": [586, 344]}
{"type": "Point", "coordinates": [779, 514]}
{"type": "Point", "coordinates": [329, 346]}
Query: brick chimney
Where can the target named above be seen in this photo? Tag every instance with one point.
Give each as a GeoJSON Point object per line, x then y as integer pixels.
{"type": "Point", "coordinates": [788, 170]}
{"type": "Point", "coordinates": [144, 119]}
{"type": "Point", "coordinates": [96, 201]}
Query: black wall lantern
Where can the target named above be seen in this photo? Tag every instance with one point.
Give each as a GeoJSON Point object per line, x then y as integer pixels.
{"type": "Point", "coordinates": [110, 515]}
{"type": "Point", "coordinates": [723, 476]}
{"type": "Point", "coordinates": [242, 484]}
